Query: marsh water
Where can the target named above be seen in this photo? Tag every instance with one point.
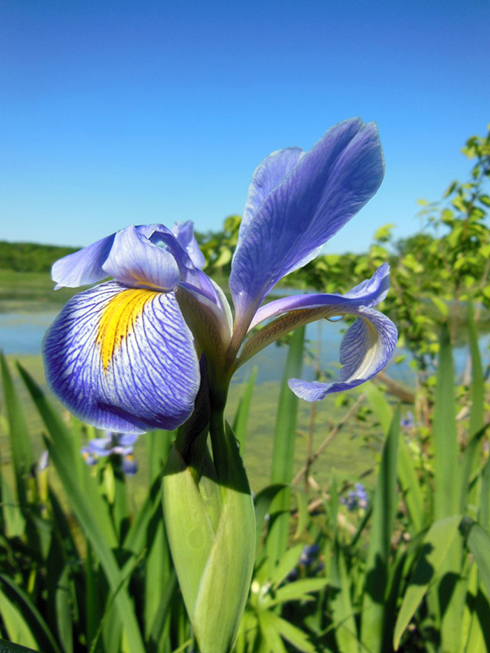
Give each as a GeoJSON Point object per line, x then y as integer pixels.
{"type": "Point", "coordinates": [22, 334]}
{"type": "Point", "coordinates": [350, 456]}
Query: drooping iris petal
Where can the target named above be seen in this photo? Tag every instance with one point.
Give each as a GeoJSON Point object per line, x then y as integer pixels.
{"type": "Point", "coordinates": [266, 177]}
{"type": "Point", "coordinates": [136, 262]}
{"type": "Point", "coordinates": [366, 349]}
{"type": "Point", "coordinates": [184, 232]}
{"type": "Point", "coordinates": [328, 185]}
{"type": "Point", "coordinates": [368, 293]}
{"type": "Point", "coordinates": [123, 359]}
{"type": "Point", "coordinates": [83, 267]}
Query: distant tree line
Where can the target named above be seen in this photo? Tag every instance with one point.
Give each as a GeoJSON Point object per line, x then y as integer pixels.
{"type": "Point", "coordinates": [30, 257]}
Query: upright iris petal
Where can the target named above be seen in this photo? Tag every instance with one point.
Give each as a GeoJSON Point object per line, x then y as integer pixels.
{"type": "Point", "coordinates": [302, 210]}
{"type": "Point", "coordinates": [137, 262]}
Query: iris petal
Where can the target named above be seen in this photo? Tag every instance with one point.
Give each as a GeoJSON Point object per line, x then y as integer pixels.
{"type": "Point", "coordinates": [123, 359]}
{"type": "Point", "coordinates": [135, 261]}
{"type": "Point", "coordinates": [184, 232]}
{"type": "Point", "coordinates": [328, 185]}
{"type": "Point", "coordinates": [366, 349]}
{"type": "Point", "coordinates": [83, 267]}
{"type": "Point", "coordinates": [266, 177]}
{"type": "Point", "coordinates": [368, 293]}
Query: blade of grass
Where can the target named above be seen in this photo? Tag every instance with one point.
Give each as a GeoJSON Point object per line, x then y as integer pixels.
{"type": "Point", "coordinates": [241, 416]}
{"type": "Point", "coordinates": [30, 615]}
{"type": "Point", "coordinates": [284, 446]}
{"type": "Point", "coordinates": [377, 564]}
{"type": "Point", "coordinates": [433, 552]}
{"type": "Point", "coordinates": [407, 476]}
{"type": "Point", "coordinates": [479, 545]}
{"type": "Point", "coordinates": [477, 395]}
{"type": "Point", "coordinates": [446, 477]}
{"type": "Point", "coordinates": [484, 512]}
{"type": "Point", "coordinates": [89, 508]}
{"type": "Point", "coordinates": [447, 488]}
{"type": "Point", "coordinates": [20, 443]}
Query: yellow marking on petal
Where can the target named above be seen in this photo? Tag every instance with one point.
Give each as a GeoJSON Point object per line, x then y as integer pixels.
{"type": "Point", "coordinates": [119, 320]}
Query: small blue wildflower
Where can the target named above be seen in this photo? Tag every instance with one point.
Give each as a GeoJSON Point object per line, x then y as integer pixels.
{"type": "Point", "coordinates": [129, 465]}
{"type": "Point", "coordinates": [309, 563]}
{"type": "Point", "coordinates": [357, 498]}
{"type": "Point", "coordinates": [408, 421]}
{"type": "Point", "coordinates": [119, 445]}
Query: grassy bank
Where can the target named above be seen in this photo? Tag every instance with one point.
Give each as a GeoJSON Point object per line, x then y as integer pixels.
{"type": "Point", "coordinates": [350, 454]}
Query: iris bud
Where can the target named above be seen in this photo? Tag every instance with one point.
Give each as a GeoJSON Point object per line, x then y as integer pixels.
{"type": "Point", "coordinates": [210, 522]}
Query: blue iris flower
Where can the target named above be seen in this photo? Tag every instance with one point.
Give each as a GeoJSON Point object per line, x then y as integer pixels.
{"type": "Point", "coordinates": [120, 445]}
{"type": "Point", "coordinates": [124, 355]}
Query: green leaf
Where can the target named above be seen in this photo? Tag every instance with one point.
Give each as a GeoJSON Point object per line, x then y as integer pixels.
{"type": "Point", "coordinates": [89, 509]}
{"type": "Point", "coordinates": [407, 476]}
{"type": "Point", "coordinates": [479, 545]}
{"type": "Point", "coordinates": [15, 624]}
{"type": "Point", "coordinates": [441, 305]}
{"type": "Point", "coordinates": [8, 647]}
{"type": "Point", "coordinates": [286, 564]}
{"type": "Point", "coordinates": [377, 564]}
{"type": "Point", "coordinates": [270, 633]}
{"type": "Point", "coordinates": [477, 393]}
{"type": "Point", "coordinates": [484, 512]}
{"type": "Point", "coordinates": [20, 442]}
{"type": "Point", "coordinates": [434, 550]}
{"type": "Point", "coordinates": [299, 590]}
{"type": "Point", "coordinates": [341, 604]}
{"type": "Point", "coordinates": [262, 504]}
{"type": "Point", "coordinates": [31, 615]}
{"type": "Point", "coordinates": [293, 635]}
{"type": "Point", "coordinates": [446, 476]}
{"type": "Point", "coordinates": [284, 446]}
{"type": "Point", "coordinates": [15, 523]}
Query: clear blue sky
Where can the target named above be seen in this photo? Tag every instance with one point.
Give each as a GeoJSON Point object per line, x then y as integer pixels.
{"type": "Point", "coordinates": [134, 111]}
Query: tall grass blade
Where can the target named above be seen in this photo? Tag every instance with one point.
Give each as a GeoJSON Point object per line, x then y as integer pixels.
{"type": "Point", "coordinates": [8, 647]}
{"type": "Point", "coordinates": [240, 421]}
{"type": "Point", "coordinates": [284, 446]}
{"type": "Point", "coordinates": [89, 508]}
{"type": "Point", "coordinates": [484, 513]}
{"type": "Point", "coordinates": [341, 605]}
{"type": "Point", "coordinates": [477, 396]}
{"type": "Point", "coordinates": [446, 476]}
{"type": "Point", "coordinates": [262, 502]}
{"type": "Point", "coordinates": [447, 487]}
{"type": "Point", "coordinates": [377, 564]}
{"type": "Point", "coordinates": [20, 443]}
{"type": "Point", "coordinates": [13, 518]}
{"type": "Point", "coordinates": [479, 545]}
{"type": "Point", "coordinates": [31, 617]}
{"type": "Point", "coordinates": [434, 550]}
{"type": "Point", "coordinates": [407, 476]}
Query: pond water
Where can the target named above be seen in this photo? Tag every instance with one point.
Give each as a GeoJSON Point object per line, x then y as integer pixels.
{"type": "Point", "coordinates": [22, 333]}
